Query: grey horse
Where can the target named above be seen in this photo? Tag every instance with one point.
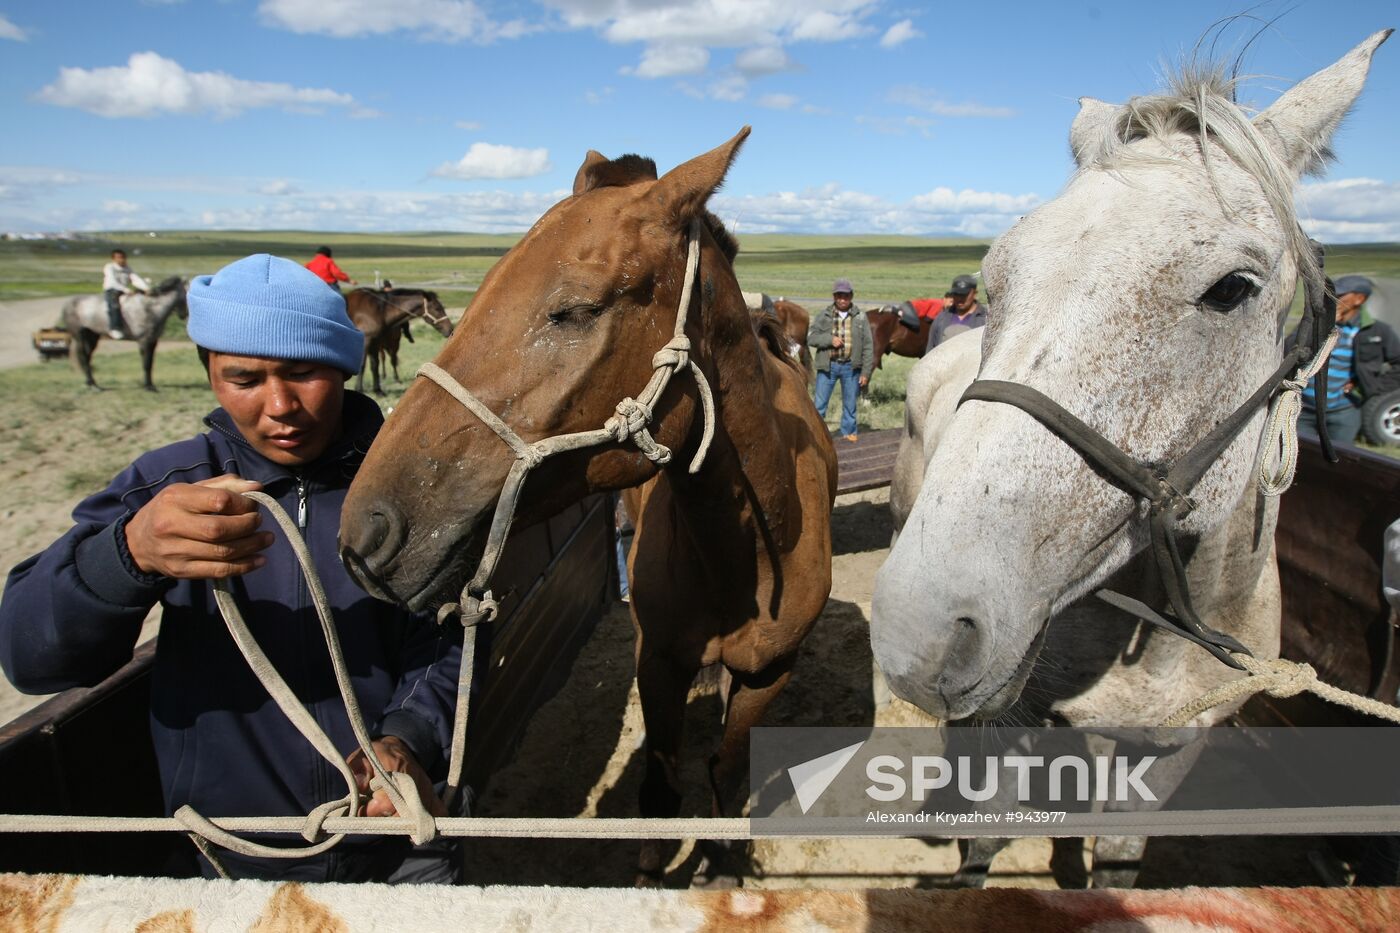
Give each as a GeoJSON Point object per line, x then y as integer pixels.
{"type": "Point", "coordinates": [1179, 237]}
{"type": "Point", "coordinates": [144, 317]}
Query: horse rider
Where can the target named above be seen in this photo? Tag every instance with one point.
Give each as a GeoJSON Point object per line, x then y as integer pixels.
{"type": "Point", "coordinates": [326, 270]}
{"type": "Point", "coordinates": [118, 279]}
{"type": "Point", "coordinates": [961, 311]}
{"type": "Point", "coordinates": [278, 348]}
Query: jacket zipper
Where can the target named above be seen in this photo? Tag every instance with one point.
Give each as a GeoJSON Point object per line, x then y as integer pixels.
{"type": "Point", "coordinates": [301, 502]}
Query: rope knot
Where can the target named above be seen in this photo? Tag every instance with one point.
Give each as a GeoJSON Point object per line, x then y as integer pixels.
{"type": "Point", "coordinates": [403, 793]}
{"type": "Point", "coordinates": [312, 831]}
{"type": "Point", "coordinates": [631, 419]}
{"type": "Point", "coordinates": [1285, 678]}
{"type": "Point", "coordinates": [676, 353]}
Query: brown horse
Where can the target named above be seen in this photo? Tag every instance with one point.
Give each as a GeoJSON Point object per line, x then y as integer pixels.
{"type": "Point", "coordinates": [795, 320]}
{"type": "Point", "coordinates": [731, 563]}
{"type": "Point", "coordinates": [382, 314]}
{"type": "Point", "coordinates": [893, 337]}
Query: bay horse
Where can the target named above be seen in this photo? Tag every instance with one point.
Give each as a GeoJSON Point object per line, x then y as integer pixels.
{"type": "Point", "coordinates": [891, 336]}
{"type": "Point", "coordinates": [382, 314]}
{"type": "Point", "coordinates": [731, 563]}
{"type": "Point", "coordinates": [1171, 259]}
{"type": "Point", "coordinates": [794, 321]}
{"type": "Point", "coordinates": [143, 317]}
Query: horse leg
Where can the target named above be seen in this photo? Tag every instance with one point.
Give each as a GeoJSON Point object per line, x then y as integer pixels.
{"type": "Point", "coordinates": [1117, 859]}
{"type": "Point", "coordinates": [360, 376]}
{"type": "Point", "coordinates": [977, 854]}
{"type": "Point", "coordinates": [148, 360]}
{"type": "Point", "coordinates": [722, 864]}
{"type": "Point", "coordinates": [662, 687]}
{"type": "Point", "coordinates": [374, 364]}
{"type": "Point", "coordinates": [86, 344]}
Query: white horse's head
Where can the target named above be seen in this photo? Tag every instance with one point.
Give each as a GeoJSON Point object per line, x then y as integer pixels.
{"type": "Point", "coordinates": [1147, 299]}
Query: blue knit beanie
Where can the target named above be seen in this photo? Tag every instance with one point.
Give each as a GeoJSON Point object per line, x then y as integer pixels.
{"type": "Point", "coordinates": [272, 307]}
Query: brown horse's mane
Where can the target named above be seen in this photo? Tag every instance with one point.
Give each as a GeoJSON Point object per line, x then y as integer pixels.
{"type": "Point", "coordinates": [411, 293]}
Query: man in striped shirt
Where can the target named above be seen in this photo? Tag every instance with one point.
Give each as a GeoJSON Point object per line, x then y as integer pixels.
{"type": "Point", "coordinates": [1343, 410]}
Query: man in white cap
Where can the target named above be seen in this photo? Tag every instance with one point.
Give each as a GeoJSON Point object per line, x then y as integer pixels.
{"type": "Point", "coordinates": [278, 348]}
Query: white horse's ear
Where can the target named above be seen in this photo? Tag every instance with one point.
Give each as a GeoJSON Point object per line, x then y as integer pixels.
{"type": "Point", "coordinates": [1092, 127]}
{"type": "Point", "coordinates": [1300, 124]}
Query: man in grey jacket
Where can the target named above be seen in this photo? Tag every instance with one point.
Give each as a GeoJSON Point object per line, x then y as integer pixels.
{"type": "Point", "coordinates": [843, 351]}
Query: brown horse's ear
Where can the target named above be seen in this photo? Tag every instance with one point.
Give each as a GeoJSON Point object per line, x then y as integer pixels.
{"type": "Point", "coordinates": [584, 179]}
{"type": "Point", "coordinates": [685, 189]}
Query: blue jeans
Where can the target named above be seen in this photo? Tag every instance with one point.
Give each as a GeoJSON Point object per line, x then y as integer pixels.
{"type": "Point", "coordinates": [849, 377]}
{"type": "Point", "coordinates": [1342, 425]}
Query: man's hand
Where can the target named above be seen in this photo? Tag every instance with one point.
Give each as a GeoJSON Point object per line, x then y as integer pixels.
{"type": "Point", "coordinates": [864, 381]}
{"type": "Point", "coordinates": [199, 531]}
{"type": "Point", "coordinates": [836, 343]}
{"type": "Point", "coordinates": [393, 755]}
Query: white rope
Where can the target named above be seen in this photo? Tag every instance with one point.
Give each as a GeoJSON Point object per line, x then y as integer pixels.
{"type": "Point", "coordinates": [1280, 458]}
{"type": "Point", "coordinates": [1279, 678]}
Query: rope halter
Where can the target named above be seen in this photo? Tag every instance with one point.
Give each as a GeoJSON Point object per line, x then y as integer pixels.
{"type": "Point", "coordinates": [631, 421]}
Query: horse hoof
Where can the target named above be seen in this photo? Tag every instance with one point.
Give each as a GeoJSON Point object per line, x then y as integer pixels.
{"type": "Point", "coordinates": [94, 387]}
{"type": "Point", "coordinates": [647, 879]}
{"type": "Point", "coordinates": [703, 880]}
{"type": "Point", "coordinates": [150, 388]}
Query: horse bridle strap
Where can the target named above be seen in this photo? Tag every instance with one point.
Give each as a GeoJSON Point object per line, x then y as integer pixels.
{"type": "Point", "coordinates": [630, 422]}
{"type": "Point", "coordinates": [1167, 489]}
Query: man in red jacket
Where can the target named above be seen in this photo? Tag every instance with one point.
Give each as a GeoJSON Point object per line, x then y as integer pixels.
{"type": "Point", "coordinates": [326, 269]}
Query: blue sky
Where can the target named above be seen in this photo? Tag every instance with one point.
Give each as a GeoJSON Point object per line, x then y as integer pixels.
{"type": "Point", "coordinates": [869, 116]}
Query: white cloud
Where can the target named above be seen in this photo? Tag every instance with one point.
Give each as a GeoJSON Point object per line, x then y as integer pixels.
{"type": "Point", "coordinates": [730, 88]}
{"type": "Point", "coordinates": [833, 209]}
{"type": "Point", "coordinates": [429, 20]}
{"type": "Point", "coordinates": [763, 60]}
{"type": "Point", "coordinates": [930, 101]}
{"type": "Point", "coordinates": [778, 101]}
{"type": "Point", "coordinates": [117, 206]}
{"type": "Point", "coordinates": [150, 84]}
{"type": "Point", "coordinates": [899, 33]}
{"type": "Point", "coordinates": [598, 96]}
{"type": "Point", "coordinates": [668, 61]}
{"type": "Point", "coordinates": [9, 30]}
{"type": "Point", "coordinates": [828, 26]}
{"type": "Point", "coordinates": [279, 188]}
{"type": "Point", "coordinates": [1351, 210]}
{"type": "Point", "coordinates": [487, 160]}
{"type": "Point", "coordinates": [467, 125]}
{"type": "Point", "coordinates": [707, 24]}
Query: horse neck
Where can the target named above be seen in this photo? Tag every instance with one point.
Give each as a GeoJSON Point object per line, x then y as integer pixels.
{"type": "Point", "coordinates": [750, 461]}
{"type": "Point", "coordinates": [159, 308]}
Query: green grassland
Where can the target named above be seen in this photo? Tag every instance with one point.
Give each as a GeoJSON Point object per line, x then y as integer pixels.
{"type": "Point", "coordinates": [47, 401]}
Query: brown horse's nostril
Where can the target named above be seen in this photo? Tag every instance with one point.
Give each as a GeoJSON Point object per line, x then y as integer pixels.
{"type": "Point", "coordinates": [374, 540]}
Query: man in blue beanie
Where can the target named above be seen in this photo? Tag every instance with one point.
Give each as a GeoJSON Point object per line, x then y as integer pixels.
{"type": "Point", "coordinates": [278, 347]}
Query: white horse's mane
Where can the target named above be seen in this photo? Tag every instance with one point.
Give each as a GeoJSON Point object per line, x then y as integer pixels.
{"type": "Point", "coordinates": [1200, 102]}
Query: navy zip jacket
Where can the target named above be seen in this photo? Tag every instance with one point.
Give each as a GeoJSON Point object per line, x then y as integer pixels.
{"type": "Point", "coordinates": [71, 614]}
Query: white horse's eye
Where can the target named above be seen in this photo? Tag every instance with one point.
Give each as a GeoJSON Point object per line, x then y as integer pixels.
{"type": "Point", "coordinates": [1228, 293]}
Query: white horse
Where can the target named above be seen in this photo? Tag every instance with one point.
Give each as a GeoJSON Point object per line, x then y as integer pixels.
{"type": "Point", "coordinates": [1170, 260]}
{"type": "Point", "coordinates": [143, 318]}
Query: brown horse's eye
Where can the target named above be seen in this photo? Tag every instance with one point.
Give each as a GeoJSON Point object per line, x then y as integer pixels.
{"type": "Point", "coordinates": [581, 314]}
{"type": "Point", "coordinates": [1227, 294]}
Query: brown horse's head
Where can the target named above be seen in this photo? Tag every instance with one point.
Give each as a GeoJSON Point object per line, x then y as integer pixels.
{"type": "Point", "coordinates": [563, 328]}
